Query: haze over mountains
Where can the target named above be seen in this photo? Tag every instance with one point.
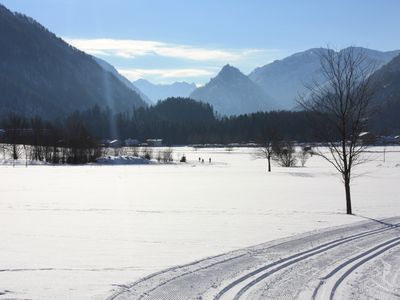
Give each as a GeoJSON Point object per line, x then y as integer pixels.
{"type": "Point", "coordinates": [285, 79]}
{"type": "Point", "coordinates": [281, 82]}
{"type": "Point", "coordinates": [41, 74]}
{"type": "Point", "coordinates": [158, 92]}
{"type": "Point", "coordinates": [109, 68]}
{"type": "Point", "coordinates": [232, 93]}
{"type": "Point", "coordinates": [386, 82]}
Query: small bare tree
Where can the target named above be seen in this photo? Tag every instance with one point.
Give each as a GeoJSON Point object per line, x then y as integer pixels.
{"type": "Point", "coordinates": [147, 153]}
{"type": "Point", "coordinates": [167, 155]}
{"type": "Point", "coordinates": [264, 150]}
{"type": "Point", "coordinates": [284, 153]}
{"type": "Point", "coordinates": [135, 151]}
{"type": "Point", "coordinates": [265, 145]}
{"type": "Point", "coordinates": [340, 109]}
{"type": "Point", "coordinates": [159, 156]}
{"type": "Point", "coordinates": [3, 150]}
{"type": "Point", "coordinates": [303, 156]}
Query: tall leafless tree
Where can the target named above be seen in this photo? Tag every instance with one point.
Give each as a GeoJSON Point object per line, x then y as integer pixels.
{"type": "Point", "coordinates": [340, 109]}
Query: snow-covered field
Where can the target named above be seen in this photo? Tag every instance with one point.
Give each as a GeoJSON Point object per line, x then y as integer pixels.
{"type": "Point", "coordinates": [79, 232]}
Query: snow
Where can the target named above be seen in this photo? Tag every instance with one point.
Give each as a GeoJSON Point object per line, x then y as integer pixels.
{"type": "Point", "coordinates": [123, 160]}
{"type": "Point", "coordinates": [20, 162]}
{"type": "Point", "coordinates": [77, 232]}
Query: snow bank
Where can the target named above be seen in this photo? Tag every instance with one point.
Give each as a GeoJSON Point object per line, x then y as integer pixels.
{"type": "Point", "coordinates": [123, 160]}
{"type": "Point", "coordinates": [21, 162]}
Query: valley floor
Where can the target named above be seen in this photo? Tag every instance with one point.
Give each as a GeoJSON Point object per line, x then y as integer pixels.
{"type": "Point", "coordinates": [88, 232]}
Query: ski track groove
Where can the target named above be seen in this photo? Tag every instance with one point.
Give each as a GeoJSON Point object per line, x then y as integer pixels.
{"type": "Point", "coordinates": [196, 270]}
{"type": "Point", "coordinates": [353, 259]}
{"type": "Point", "coordinates": [280, 264]}
{"type": "Point", "coordinates": [127, 287]}
{"type": "Point", "coordinates": [292, 260]}
{"type": "Point", "coordinates": [391, 244]}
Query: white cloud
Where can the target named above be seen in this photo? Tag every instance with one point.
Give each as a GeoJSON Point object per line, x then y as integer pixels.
{"type": "Point", "coordinates": [179, 61]}
{"type": "Point", "coordinates": [137, 48]}
{"type": "Point", "coordinates": [133, 74]}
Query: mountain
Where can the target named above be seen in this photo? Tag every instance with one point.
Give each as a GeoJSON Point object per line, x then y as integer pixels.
{"type": "Point", "coordinates": [386, 86]}
{"type": "Point", "coordinates": [286, 79]}
{"type": "Point", "coordinates": [233, 93]}
{"type": "Point", "coordinates": [163, 91]}
{"type": "Point", "coordinates": [109, 68]}
{"type": "Point", "coordinates": [41, 74]}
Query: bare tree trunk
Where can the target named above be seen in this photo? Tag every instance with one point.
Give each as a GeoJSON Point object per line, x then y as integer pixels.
{"type": "Point", "coordinates": [269, 163]}
{"type": "Point", "coordinates": [14, 154]}
{"type": "Point", "coordinates": [26, 156]}
{"type": "Point", "coordinates": [348, 196]}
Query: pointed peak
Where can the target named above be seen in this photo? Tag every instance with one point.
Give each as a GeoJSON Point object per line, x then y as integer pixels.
{"type": "Point", "coordinates": [229, 68]}
{"type": "Point", "coordinates": [229, 71]}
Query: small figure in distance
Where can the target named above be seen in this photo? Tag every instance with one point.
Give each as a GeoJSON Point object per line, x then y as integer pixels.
{"type": "Point", "coordinates": [209, 160]}
{"type": "Point", "coordinates": [202, 161]}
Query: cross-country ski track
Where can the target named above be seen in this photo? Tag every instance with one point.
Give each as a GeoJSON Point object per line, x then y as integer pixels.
{"type": "Point", "coordinates": [355, 261]}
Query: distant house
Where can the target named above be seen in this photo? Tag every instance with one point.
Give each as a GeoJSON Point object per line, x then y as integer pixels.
{"type": "Point", "coordinates": [154, 142]}
{"type": "Point", "coordinates": [131, 142]}
{"type": "Point", "coordinates": [390, 140]}
{"type": "Point", "coordinates": [367, 138]}
{"type": "Point", "coordinates": [115, 143]}
{"type": "Point", "coordinates": [111, 143]}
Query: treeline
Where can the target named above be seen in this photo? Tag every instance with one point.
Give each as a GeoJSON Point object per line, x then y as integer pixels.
{"type": "Point", "coordinates": [68, 141]}
{"type": "Point", "coordinates": [182, 121]}
{"type": "Point", "coordinates": [178, 121]}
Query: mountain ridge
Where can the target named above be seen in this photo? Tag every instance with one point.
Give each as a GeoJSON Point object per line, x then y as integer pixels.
{"type": "Point", "coordinates": [40, 74]}
{"type": "Point", "coordinates": [287, 78]}
{"type": "Point", "coordinates": [110, 68]}
{"type": "Point", "coordinates": [233, 93]}
{"type": "Point", "coordinates": [386, 87]}
{"type": "Point", "coordinates": [158, 92]}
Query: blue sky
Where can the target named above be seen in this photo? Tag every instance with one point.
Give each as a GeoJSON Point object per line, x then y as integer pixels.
{"type": "Point", "coordinates": [165, 41]}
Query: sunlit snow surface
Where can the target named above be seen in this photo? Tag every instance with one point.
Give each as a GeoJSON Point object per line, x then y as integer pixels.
{"type": "Point", "coordinates": [76, 232]}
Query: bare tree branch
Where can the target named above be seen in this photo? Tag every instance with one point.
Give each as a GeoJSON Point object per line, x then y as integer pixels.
{"type": "Point", "coordinates": [340, 109]}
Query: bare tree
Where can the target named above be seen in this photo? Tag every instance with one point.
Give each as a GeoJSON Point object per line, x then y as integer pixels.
{"type": "Point", "coordinates": [159, 156]}
{"type": "Point", "coordinates": [147, 153]}
{"type": "Point", "coordinates": [135, 151]}
{"type": "Point", "coordinates": [264, 150]}
{"type": "Point", "coordinates": [265, 145]}
{"type": "Point", "coordinates": [303, 156]}
{"type": "Point", "coordinates": [284, 153]}
{"type": "Point", "coordinates": [340, 109]}
{"type": "Point", "coordinates": [167, 155]}
{"type": "Point", "coordinates": [3, 150]}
